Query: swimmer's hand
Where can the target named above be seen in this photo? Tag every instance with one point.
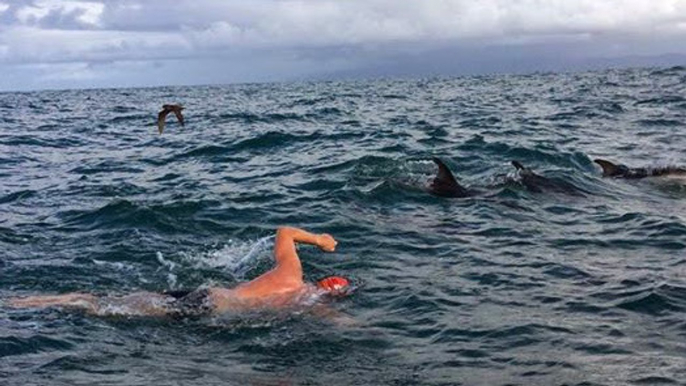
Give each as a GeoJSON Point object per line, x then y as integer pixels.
{"type": "Point", "coordinates": [326, 242]}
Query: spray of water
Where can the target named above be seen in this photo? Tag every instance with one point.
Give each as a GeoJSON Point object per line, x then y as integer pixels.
{"type": "Point", "coordinates": [236, 257]}
{"type": "Point", "coordinates": [171, 276]}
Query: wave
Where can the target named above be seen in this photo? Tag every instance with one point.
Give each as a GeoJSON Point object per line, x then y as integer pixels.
{"type": "Point", "coordinates": [674, 70]}
{"type": "Point", "coordinates": [547, 155]}
{"type": "Point", "coordinates": [660, 122]}
{"type": "Point", "coordinates": [12, 346]}
{"type": "Point", "coordinates": [217, 152]}
{"type": "Point", "coordinates": [277, 139]}
{"type": "Point", "coordinates": [652, 299]}
{"type": "Point", "coordinates": [170, 218]}
{"type": "Point", "coordinates": [661, 100]}
{"type": "Point", "coordinates": [151, 118]}
{"type": "Point", "coordinates": [17, 196]}
{"type": "Point", "coordinates": [661, 299]}
{"type": "Point", "coordinates": [106, 167]}
{"type": "Point", "coordinates": [38, 143]}
{"type": "Point", "coordinates": [12, 236]}
{"type": "Point", "coordinates": [274, 118]}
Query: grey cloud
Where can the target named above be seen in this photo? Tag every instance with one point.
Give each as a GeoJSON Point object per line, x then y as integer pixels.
{"type": "Point", "coordinates": [295, 38]}
{"type": "Point", "coordinates": [200, 27]}
{"type": "Point", "coordinates": [32, 45]}
{"type": "Point", "coordinates": [63, 20]}
{"type": "Point", "coordinates": [60, 14]}
{"type": "Point", "coordinates": [324, 22]}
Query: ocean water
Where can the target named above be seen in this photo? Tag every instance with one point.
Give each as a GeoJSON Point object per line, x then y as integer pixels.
{"type": "Point", "coordinates": [509, 287]}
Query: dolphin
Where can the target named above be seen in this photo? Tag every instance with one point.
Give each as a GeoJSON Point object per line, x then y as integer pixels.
{"type": "Point", "coordinates": [531, 180]}
{"type": "Point", "coordinates": [622, 171]}
{"type": "Point", "coordinates": [537, 183]}
{"type": "Point", "coordinates": [444, 183]}
{"type": "Point", "coordinates": [166, 109]}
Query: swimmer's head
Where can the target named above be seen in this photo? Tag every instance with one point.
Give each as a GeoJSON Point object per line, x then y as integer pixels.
{"type": "Point", "coordinates": [335, 285]}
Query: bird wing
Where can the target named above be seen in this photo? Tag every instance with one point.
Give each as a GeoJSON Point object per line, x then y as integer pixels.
{"type": "Point", "coordinates": [160, 119]}
{"type": "Point", "coordinates": [177, 112]}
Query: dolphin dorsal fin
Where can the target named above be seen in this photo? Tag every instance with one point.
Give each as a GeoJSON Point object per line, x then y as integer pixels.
{"type": "Point", "coordinates": [523, 170]}
{"type": "Point", "coordinates": [609, 169]}
{"type": "Point", "coordinates": [445, 184]}
{"type": "Point", "coordinates": [518, 165]}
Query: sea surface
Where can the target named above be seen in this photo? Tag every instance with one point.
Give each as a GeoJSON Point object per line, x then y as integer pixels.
{"type": "Point", "coordinates": [584, 285]}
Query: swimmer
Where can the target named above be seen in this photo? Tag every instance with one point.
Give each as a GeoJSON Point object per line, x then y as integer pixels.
{"type": "Point", "coordinates": [283, 285]}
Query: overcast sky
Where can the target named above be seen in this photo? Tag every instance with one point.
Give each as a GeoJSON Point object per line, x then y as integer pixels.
{"type": "Point", "coordinates": [123, 43]}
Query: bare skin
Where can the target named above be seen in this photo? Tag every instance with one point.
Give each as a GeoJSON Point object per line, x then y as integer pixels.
{"type": "Point", "coordinates": [278, 287]}
{"type": "Point", "coordinates": [282, 283]}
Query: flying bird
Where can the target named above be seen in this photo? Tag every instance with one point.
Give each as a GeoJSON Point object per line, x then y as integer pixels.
{"type": "Point", "coordinates": [166, 109]}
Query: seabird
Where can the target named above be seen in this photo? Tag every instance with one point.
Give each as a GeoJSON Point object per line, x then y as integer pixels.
{"type": "Point", "coordinates": [166, 109]}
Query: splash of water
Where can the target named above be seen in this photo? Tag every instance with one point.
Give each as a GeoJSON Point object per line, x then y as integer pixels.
{"type": "Point", "coordinates": [237, 257]}
{"type": "Point", "coordinates": [171, 276]}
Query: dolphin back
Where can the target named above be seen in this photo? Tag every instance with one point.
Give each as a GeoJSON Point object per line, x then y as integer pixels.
{"type": "Point", "coordinates": [623, 171]}
{"type": "Point", "coordinates": [530, 179]}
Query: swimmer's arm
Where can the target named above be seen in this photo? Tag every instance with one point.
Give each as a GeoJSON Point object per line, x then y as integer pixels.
{"type": "Point", "coordinates": [84, 301]}
{"type": "Point", "coordinates": [286, 237]}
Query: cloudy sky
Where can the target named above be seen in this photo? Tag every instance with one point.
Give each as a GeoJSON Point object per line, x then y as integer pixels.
{"type": "Point", "coordinates": [123, 43]}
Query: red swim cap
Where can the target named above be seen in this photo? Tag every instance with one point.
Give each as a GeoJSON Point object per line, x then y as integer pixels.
{"type": "Point", "coordinates": [333, 283]}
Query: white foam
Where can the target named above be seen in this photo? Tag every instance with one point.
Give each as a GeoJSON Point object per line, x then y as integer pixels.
{"type": "Point", "coordinates": [237, 257]}
{"type": "Point", "coordinates": [119, 266]}
{"type": "Point", "coordinates": [115, 264]}
{"type": "Point", "coordinates": [171, 276]}
{"type": "Point", "coordinates": [116, 310]}
{"type": "Point", "coordinates": [136, 304]}
{"type": "Point", "coordinates": [675, 178]}
{"type": "Point", "coordinates": [168, 263]}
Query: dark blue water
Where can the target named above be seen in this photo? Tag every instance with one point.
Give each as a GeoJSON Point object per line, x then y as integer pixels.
{"type": "Point", "coordinates": [510, 287]}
